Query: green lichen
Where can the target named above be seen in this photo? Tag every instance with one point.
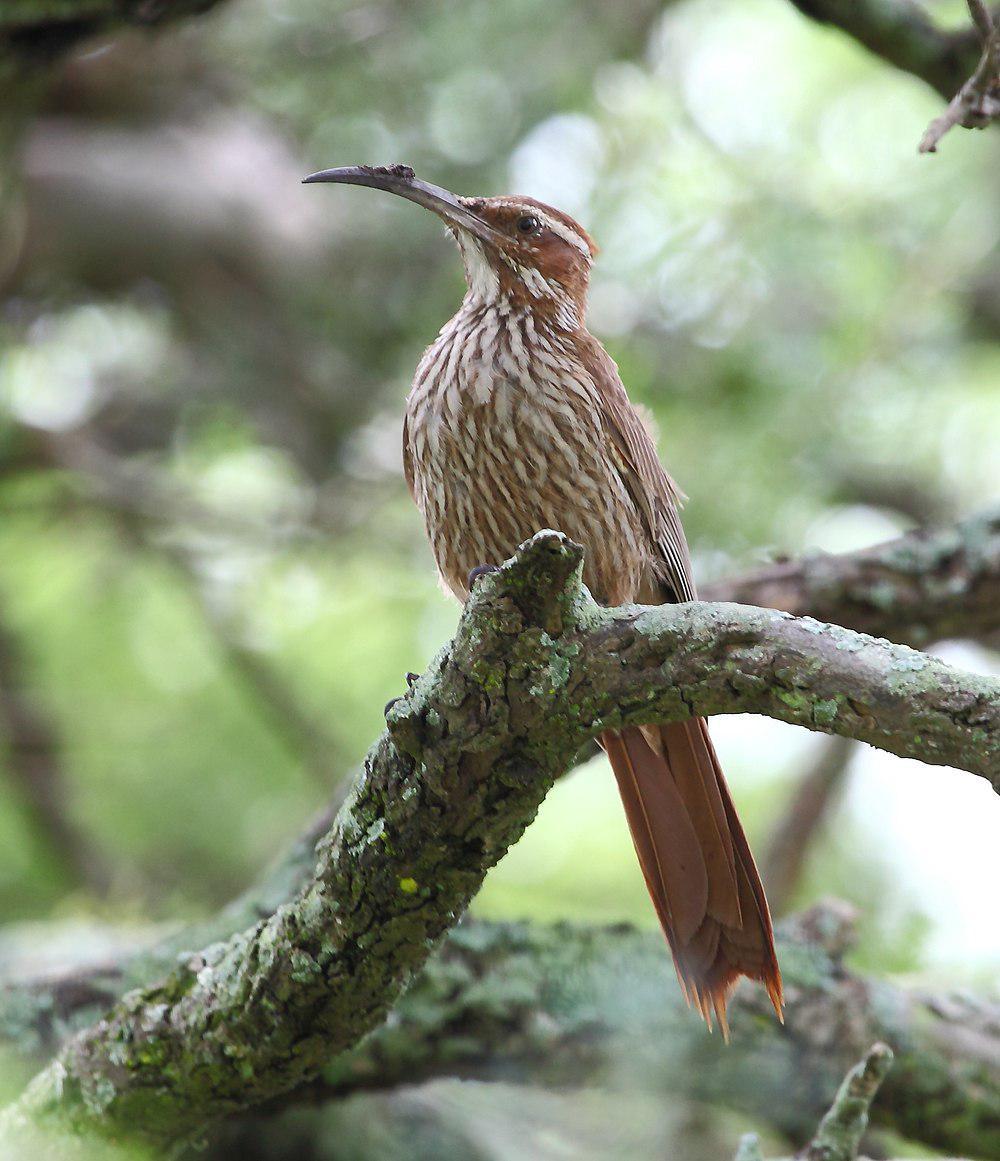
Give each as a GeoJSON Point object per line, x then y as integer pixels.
{"type": "Point", "coordinates": [824, 712]}
{"type": "Point", "coordinates": [911, 662]}
{"type": "Point", "coordinates": [797, 701]}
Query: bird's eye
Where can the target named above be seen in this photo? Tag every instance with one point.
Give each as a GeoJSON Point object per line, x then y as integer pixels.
{"type": "Point", "coordinates": [527, 224]}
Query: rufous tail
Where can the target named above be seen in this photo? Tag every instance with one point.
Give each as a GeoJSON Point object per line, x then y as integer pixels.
{"type": "Point", "coordinates": [696, 862]}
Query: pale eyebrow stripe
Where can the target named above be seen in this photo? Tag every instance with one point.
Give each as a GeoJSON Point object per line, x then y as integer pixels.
{"type": "Point", "coordinates": [568, 235]}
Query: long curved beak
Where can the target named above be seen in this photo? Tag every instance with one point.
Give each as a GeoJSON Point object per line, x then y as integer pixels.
{"type": "Point", "coordinates": [401, 180]}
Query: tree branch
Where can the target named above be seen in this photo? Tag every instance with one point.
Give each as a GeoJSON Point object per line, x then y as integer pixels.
{"type": "Point", "coordinates": [789, 842]}
{"type": "Point", "coordinates": [901, 33]}
{"type": "Point", "coordinates": [839, 1135]}
{"type": "Point", "coordinates": [536, 668]}
{"type": "Point", "coordinates": [977, 102]}
{"type": "Point", "coordinates": [37, 1015]}
{"type": "Point", "coordinates": [561, 1005]}
{"type": "Point", "coordinates": [749, 1148]}
{"type": "Point", "coordinates": [840, 1131]}
{"type": "Point", "coordinates": [29, 741]}
{"type": "Point", "coordinates": [34, 30]}
{"type": "Point", "coordinates": [922, 587]}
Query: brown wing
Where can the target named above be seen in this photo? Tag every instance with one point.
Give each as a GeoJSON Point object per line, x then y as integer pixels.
{"type": "Point", "coordinates": [653, 492]}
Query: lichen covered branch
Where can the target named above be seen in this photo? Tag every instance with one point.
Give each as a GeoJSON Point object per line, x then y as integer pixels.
{"type": "Point", "coordinates": [640, 665]}
{"type": "Point", "coordinates": [749, 1148]}
{"type": "Point", "coordinates": [840, 1131]}
{"type": "Point", "coordinates": [839, 1135]}
{"type": "Point", "coordinates": [536, 669]}
{"type": "Point", "coordinates": [925, 586]}
{"type": "Point", "coordinates": [565, 1005]}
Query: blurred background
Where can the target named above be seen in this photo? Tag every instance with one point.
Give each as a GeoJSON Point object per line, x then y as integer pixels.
{"type": "Point", "coordinates": [212, 577]}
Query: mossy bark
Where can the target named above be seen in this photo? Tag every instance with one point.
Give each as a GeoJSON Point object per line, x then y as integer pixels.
{"type": "Point", "coordinates": [536, 669]}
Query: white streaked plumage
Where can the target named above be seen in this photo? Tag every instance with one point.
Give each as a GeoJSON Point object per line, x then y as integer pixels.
{"type": "Point", "coordinates": [496, 408]}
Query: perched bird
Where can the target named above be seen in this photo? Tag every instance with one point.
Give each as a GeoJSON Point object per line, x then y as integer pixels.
{"type": "Point", "coordinates": [517, 421]}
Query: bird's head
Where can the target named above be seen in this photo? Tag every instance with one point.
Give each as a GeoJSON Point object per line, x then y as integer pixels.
{"type": "Point", "coordinates": [514, 248]}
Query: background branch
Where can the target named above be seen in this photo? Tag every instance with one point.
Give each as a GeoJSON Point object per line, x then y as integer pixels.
{"type": "Point", "coordinates": [922, 587]}
{"type": "Point", "coordinates": [567, 1006]}
{"type": "Point", "coordinates": [42, 29]}
{"type": "Point", "coordinates": [841, 1129]}
{"type": "Point", "coordinates": [977, 102]}
{"type": "Point", "coordinates": [563, 1005]}
{"type": "Point", "coordinates": [29, 741]}
{"type": "Point", "coordinates": [839, 1135]}
{"type": "Point", "coordinates": [902, 33]}
{"type": "Point", "coordinates": [788, 845]}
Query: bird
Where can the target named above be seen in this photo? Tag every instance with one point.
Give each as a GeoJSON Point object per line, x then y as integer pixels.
{"type": "Point", "coordinates": [517, 421]}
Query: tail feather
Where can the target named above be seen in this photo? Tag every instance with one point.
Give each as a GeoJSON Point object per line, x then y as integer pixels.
{"type": "Point", "coordinates": [696, 862]}
{"type": "Point", "coordinates": [666, 843]}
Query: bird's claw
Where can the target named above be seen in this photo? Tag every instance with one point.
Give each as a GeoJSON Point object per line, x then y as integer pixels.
{"type": "Point", "coordinates": [411, 681]}
{"type": "Point", "coordinates": [478, 571]}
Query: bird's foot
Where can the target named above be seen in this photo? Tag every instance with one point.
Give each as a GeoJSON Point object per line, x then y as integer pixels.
{"type": "Point", "coordinates": [478, 571]}
{"type": "Point", "coordinates": [411, 681]}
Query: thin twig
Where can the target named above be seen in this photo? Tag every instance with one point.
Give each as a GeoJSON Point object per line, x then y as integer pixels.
{"type": "Point", "coordinates": [30, 739]}
{"type": "Point", "coordinates": [977, 102]}
{"type": "Point", "coordinates": [840, 1131]}
{"type": "Point", "coordinates": [792, 837]}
